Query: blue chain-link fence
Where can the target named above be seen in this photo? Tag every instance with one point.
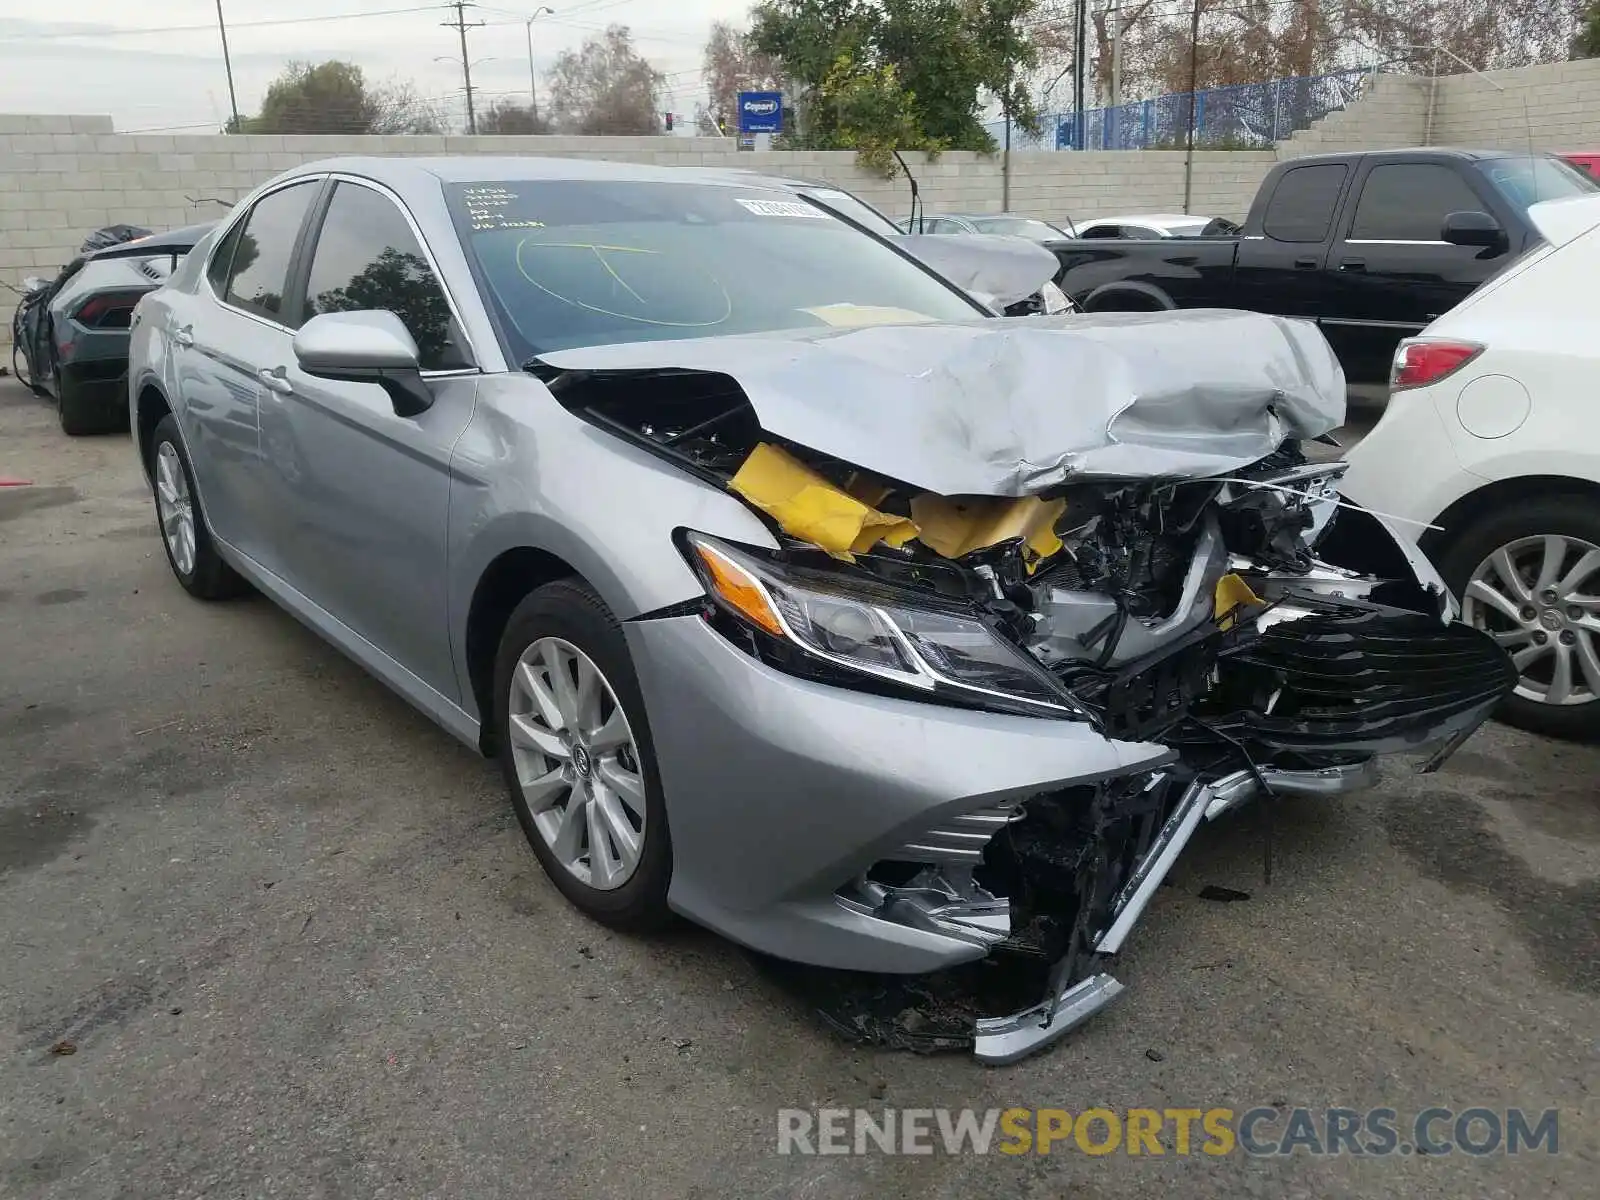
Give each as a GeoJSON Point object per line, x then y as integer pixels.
{"type": "Point", "coordinates": [1251, 116]}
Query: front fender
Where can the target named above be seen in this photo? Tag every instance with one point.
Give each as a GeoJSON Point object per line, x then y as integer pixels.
{"type": "Point", "coordinates": [526, 474]}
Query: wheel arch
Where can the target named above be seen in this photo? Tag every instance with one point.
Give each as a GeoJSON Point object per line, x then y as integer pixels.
{"type": "Point", "coordinates": [150, 407]}
{"type": "Point", "coordinates": [502, 585]}
{"type": "Point", "coordinates": [1128, 296]}
{"type": "Point", "coordinates": [1466, 510]}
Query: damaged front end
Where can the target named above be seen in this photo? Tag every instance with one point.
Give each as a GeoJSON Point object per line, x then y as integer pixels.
{"type": "Point", "coordinates": [1224, 603]}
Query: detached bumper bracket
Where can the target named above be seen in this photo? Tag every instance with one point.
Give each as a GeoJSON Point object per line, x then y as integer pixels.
{"type": "Point", "coordinates": [1002, 1040]}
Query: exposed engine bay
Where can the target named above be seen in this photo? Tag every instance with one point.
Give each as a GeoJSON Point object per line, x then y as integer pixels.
{"type": "Point", "coordinates": [1274, 638]}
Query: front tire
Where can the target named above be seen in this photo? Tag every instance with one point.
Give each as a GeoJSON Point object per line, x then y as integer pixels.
{"type": "Point", "coordinates": [576, 753]}
{"type": "Point", "coordinates": [1530, 576]}
{"type": "Point", "coordinates": [190, 551]}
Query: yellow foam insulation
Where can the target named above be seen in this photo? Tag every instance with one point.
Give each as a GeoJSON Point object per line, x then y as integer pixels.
{"type": "Point", "coordinates": [957, 525]}
{"type": "Point", "coordinates": [1232, 592]}
{"type": "Point", "coordinates": [808, 506]}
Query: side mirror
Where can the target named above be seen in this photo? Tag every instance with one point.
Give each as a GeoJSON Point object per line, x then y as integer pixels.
{"type": "Point", "coordinates": [371, 346]}
{"type": "Point", "coordinates": [1475, 229]}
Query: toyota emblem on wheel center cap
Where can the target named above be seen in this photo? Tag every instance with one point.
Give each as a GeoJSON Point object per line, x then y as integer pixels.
{"type": "Point", "coordinates": [580, 761]}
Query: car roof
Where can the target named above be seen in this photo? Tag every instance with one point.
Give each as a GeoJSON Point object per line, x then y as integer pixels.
{"type": "Point", "coordinates": [1150, 219]}
{"type": "Point", "coordinates": [474, 168]}
{"type": "Point", "coordinates": [1435, 152]}
{"type": "Point", "coordinates": [990, 216]}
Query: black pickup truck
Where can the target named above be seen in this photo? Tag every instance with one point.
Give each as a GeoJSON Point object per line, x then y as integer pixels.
{"type": "Point", "coordinates": [1371, 246]}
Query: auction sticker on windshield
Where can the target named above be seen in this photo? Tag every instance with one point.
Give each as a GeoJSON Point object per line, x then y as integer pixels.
{"type": "Point", "coordinates": [781, 208]}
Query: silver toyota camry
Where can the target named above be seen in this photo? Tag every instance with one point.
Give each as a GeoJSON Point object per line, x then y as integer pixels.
{"type": "Point", "coordinates": [793, 590]}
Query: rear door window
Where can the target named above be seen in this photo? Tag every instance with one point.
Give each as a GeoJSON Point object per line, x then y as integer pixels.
{"type": "Point", "coordinates": [1303, 203]}
{"type": "Point", "coordinates": [259, 271]}
{"type": "Point", "coordinates": [1408, 202]}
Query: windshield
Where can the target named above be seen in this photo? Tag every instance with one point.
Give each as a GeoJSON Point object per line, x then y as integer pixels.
{"type": "Point", "coordinates": [585, 263]}
{"type": "Point", "coordinates": [1525, 181]}
{"type": "Point", "coordinates": [1039, 231]}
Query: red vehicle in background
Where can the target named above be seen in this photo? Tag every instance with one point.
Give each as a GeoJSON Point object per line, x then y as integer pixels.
{"type": "Point", "coordinates": [1585, 162]}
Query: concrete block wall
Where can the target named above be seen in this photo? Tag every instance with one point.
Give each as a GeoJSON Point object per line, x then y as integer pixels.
{"type": "Point", "coordinates": [63, 176]}
{"type": "Point", "coordinates": [1391, 114]}
{"type": "Point", "coordinates": [1555, 107]}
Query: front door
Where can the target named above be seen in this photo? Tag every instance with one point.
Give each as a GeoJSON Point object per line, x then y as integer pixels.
{"type": "Point", "coordinates": [362, 493]}
{"type": "Point", "coordinates": [1390, 273]}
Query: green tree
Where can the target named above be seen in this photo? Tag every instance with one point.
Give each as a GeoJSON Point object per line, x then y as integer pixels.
{"type": "Point", "coordinates": [335, 97]}
{"type": "Point", "coordinates": [1587, 43]}
{"type": "Point", "coordinates": [880, 75]}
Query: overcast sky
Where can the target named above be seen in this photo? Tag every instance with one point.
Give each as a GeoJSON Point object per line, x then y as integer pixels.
{"type": "Point", "coordinates": [157, 64]}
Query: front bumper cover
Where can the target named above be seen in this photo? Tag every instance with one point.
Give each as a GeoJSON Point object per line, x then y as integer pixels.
{"type": "Point", "coordinates": [1069, 1003]}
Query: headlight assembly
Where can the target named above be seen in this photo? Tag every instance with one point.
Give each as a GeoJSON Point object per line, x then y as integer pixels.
{"type": "Point", "coordinates": [1055, 301]}
{"type": "Point", "coordinates": [863, 634]}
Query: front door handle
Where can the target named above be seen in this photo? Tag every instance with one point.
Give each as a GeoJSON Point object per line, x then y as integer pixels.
{"type": "Point", "coordinates": [276, 379]}
{"type": "Point", "coordinates": [1353, 264]}
{"type": "Point", "coordinates": [185, 336]}
{"type": "Point", "coordinates": [1305, 264]}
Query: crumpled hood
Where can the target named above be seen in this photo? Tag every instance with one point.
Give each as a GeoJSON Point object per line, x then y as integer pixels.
{"type": "Point", "coordinates": [1008, 268]}
{"type": "Point", "coordinates": [1011, 407]}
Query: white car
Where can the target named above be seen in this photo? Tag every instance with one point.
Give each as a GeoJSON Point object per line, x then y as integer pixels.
{"type": "Point", "coordinates": [1491, 448]}
{"type": "Point", "coordinates": [1155, 225]}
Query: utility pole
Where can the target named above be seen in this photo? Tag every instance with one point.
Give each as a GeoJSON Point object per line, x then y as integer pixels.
{"type": "Point", "coordinates": [1194, 84]}
{"type": "Point", "coordinates": [533, 84]}
{"type": "Point", "coordinates": [1080, 19]}
{"type": "Point", "coordinates": [227, 65]}
{"type": "Point", "coordinates": [1116, 77]}
{"type": "Point", "coordinates": [461, 25]}
{"type": "Point", "coordinates": [1116, 57]}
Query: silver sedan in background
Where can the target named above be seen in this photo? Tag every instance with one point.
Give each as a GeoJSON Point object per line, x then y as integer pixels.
{"type": "Point", "coordinates": [793, 590]}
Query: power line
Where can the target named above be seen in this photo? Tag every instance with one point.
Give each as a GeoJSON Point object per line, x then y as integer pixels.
{"type": "Point", "coordinates": [132, 31]}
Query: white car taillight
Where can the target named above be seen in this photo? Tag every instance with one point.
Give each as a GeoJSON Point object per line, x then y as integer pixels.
{"type": "Point", "coordinates": [1421, 361]}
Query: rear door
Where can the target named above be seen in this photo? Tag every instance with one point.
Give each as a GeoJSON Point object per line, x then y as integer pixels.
{"type": "Point", "coordinates": [1278, 268]}
{"type": "Point", "coordinates": [361, 494]}
{"type": "Point", "coordinates": [1390, 273]}
{"type": "Point", "coordinates": [230, 332]}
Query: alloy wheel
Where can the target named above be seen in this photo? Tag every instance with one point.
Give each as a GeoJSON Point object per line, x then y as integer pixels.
{"type": "Point", "coordinates": [577, 763]}
{"type": "Point", "coordinates": [175, 507]}
{"type": "Point", "coordinates": [1539, 597]}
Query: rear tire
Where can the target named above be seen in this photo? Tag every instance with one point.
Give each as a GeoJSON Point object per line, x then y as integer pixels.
{"type": "Point", "coordinates": [576, 780]}
{"type": "Point", "coordinates": [82, 417]}
{"type": "Point", "coordinates": [1523, 536]}
{"type": "Point", "coordinates": [190, 551]}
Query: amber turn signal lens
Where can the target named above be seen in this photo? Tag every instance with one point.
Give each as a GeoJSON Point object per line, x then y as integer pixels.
{"type": "Point", "coordinates": [739, 590]}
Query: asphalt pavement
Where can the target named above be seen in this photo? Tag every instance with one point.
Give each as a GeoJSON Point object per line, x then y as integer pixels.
{"type": "Point", "coordinates": [266, 931]}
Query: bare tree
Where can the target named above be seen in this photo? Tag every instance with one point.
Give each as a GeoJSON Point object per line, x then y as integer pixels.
{"type": "Point", "coordinates": [398, 107]}
{"type": "Point", "coordinates": [506, 117]}
{"type": "Point", "coordinates": [1253, 41]}
{"type": "Point", "coordinates": [605, 87]}
{"type": "Point", "coordinates": [732, 65]}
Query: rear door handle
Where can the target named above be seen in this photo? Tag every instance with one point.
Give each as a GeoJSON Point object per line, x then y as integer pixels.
{"type": "Point", "coordinates": [185, 336]}
{"type": "Point", "coordinates": [1353, 264]}
{"type": "Point", "coordinates": [1305, 264]}
{"type": "Point", "coordinates": [276, 379]}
